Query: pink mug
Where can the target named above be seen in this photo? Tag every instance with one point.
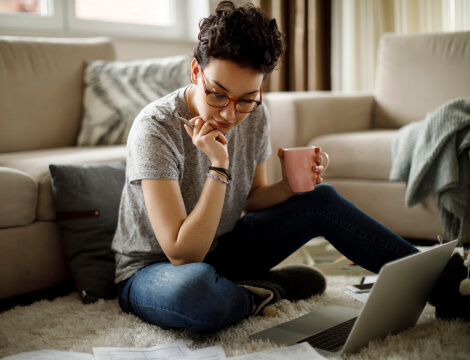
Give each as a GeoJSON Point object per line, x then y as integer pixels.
{"type": "Point", "coordinates": [299, 163]}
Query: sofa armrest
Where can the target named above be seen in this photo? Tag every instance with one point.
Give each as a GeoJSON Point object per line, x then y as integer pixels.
{"type": "Point", "coordinates": [298, 117]}
{"type": "Point", "coordinates": [18, 198]}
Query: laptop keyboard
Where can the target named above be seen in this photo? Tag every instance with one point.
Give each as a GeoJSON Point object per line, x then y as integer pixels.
{"type": "Point", "coordinates": [331, 339]}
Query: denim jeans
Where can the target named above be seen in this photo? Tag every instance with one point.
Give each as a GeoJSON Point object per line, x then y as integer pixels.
{"type": "Point", "coordinates": [204, 297]}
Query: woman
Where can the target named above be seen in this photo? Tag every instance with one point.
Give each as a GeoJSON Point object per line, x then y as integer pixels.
{"type": "Point", "coordinates": [185, 255]}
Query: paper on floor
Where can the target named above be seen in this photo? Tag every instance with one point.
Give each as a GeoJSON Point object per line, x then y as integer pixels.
{"type": "Point", "coordinates": [50, 355]}
{"type": "Point", "coordinates": [179, 350]}
{"type": "Point", "coordinates": [302, 351]}
{"type": "Point", "coordinates": [161, 352]}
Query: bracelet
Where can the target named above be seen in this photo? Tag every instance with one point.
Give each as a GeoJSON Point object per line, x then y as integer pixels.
{"type": "Point", "coordinates": [229, 187]}
{"type": "Point", "coordinates": [221, 171]}
{"type": "Point", "coordinates": [227, 177]}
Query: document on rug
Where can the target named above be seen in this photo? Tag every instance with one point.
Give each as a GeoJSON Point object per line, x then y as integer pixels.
{"type": "Point", "coordinates": [210, 353]}
{"type": "Point", "coordinates": [50, 355]}
{"type": "Point", "coordinates": [362, 297]}
{"type": "Point", "coordinates": [302, 351]}
{"type": "Point", "coordinates": [161, 352]}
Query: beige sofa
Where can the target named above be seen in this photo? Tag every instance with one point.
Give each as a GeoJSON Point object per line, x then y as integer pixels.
{"type": "Point", "coordinates": [415, 75]}
{"type": "Point", "coordinates": [41, 86]}
{"type": "Point", "coordinates": [40, 113]}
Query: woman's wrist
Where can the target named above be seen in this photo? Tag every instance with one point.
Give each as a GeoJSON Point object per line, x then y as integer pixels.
{"type": "Point", "coordinates": [286, 187]}
{"type": "Point", "coordinates": [222, 180]}
{"type": "Point", "coordinates": [220, 164]}
{"type": "Point", "coordinates": [221, 174]}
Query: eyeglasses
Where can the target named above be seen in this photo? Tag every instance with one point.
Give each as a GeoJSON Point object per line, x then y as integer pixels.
{"type": "Point", "coordinates": [219, 101]}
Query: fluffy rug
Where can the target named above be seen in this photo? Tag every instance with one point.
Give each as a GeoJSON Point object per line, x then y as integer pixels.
{"type": "Point", "coordinates": [66, 324]}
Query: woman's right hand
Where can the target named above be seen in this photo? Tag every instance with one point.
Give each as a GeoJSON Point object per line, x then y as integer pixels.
{"type": "Point", "coordinates": [210, 141]}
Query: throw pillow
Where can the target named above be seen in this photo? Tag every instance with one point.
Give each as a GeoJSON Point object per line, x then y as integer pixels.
{"type": "Point", "coordinates": [115, 92]}
{"type": "Point", "coordinates": [87, 198]}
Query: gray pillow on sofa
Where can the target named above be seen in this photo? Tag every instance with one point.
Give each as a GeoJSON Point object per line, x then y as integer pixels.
{"type": "Point", "coordinates": [116, 91]}
{"type": "Point", "coordinates": [87, 198]}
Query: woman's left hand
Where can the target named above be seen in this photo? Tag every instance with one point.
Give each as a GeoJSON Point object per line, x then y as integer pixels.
{"type": "Point", "coordinates": [319, 167]}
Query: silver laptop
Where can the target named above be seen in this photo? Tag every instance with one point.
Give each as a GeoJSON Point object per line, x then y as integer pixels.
{"type": "Point", "coordinates": [395, 303]}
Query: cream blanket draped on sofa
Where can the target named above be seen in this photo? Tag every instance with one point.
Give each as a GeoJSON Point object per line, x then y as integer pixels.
{"type": "Point", "coordinates": [431, 155]}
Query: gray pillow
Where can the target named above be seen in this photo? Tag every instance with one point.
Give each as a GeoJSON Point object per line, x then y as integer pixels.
{"type": "Point", "coordinates": [87, 198]}
{"type": "Point", "coordinates": [116, 91]}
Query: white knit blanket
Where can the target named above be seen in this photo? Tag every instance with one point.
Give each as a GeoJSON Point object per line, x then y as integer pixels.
{"type": "Point", "coordinates": [431, 156]}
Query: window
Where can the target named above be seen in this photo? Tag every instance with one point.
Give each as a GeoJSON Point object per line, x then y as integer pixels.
{"type": "Point", "coordinates": [24, 6]}
{"type": "Point", "coordinates": [129, 18]}
{"type": "Point", "coordinates": [148, 12]}
{"type": "Point", "coordinates": [142, 18]}
{"type": "Point", "coordinates": [31, 14]}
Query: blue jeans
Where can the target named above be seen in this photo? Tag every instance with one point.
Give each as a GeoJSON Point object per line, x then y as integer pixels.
{"type": "Point", "coordinates": [204, 297]}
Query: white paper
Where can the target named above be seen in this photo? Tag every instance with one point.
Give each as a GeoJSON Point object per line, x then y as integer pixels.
{"type": "Point", "coordinates": [160, 352]}
{"type": "Point", "coordinates": [362, 297]}
{"type": "Point", "coordinates": [370, 279]}
{"type": "Point", "coordinates": [50, 355]}
{"type": "Point", "coordinates": [302, 351]}
{"type": "Point", "coordinates": [209, 353]}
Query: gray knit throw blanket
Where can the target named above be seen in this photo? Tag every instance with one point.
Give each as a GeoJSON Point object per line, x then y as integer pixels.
{"type": "Point", "coordinates": [431, 156]}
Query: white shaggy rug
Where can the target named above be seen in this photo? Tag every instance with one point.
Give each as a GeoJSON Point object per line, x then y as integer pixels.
{"type": "Point", "coordinates": [66, 324]}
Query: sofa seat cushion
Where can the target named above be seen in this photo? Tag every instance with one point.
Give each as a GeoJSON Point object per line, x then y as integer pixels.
{"type": "Point", "coordinates": [36, 164]}
{"type": "Point", "coordinates": [31, 259]}
{"type": "Point", "coordinates": [18, 198]}
{"type": "Point", "coordinates": [358, 155]}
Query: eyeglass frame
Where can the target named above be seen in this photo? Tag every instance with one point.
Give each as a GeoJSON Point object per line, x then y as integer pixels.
{"type": "Point", "coordinates": [235, 101]}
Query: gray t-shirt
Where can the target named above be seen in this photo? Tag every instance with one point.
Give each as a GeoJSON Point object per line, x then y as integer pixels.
{"type": "Point", "coordinates": [158, 147]}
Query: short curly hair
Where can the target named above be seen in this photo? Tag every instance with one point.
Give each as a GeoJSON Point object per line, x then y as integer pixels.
{"type": "Point", "coordinates": [243, 34]}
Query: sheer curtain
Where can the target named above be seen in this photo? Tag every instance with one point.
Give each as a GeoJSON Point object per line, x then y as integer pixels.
{"type": "Point", "coordinates": [307, 26]}
{"type": "Point", "coordinates": [358, 24]}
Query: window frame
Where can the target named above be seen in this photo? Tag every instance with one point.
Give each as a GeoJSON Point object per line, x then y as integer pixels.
{"type": "Point", "coordinates": [63, 22]}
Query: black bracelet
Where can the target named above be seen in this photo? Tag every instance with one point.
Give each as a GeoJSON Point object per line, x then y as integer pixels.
{"type": "Point", "coordinates": [221, 171]}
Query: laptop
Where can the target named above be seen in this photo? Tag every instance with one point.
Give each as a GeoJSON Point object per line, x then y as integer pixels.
{"type": "Point", "coordinates": [395, 303]}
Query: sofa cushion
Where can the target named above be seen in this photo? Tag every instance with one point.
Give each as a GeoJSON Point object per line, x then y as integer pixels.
{"type": "Point", "coordinates": [18, 198]}
{"type": "Point", "coordinates": [358, 155]}
{"type": "Point", "coordinates": [87, 198]}
{"type": "Point", "coordinates": [416, 73]}
{"type": "Point", "coordinates": [41, 82]}
{"type": "Point", "coordinates": [116, 91]}
{"type": "Point", "coordinates": [36, 164]}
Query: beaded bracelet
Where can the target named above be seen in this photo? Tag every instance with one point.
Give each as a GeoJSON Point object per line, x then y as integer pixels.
{"type": "Point", "coordinates": [221, 171]}
{"type": "Point", "coordinates": [229, 187]}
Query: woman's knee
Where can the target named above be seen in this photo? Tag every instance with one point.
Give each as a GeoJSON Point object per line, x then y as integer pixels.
{"type": "Point", "coordinates": [195, 297]}
{"type": "Point", "coordinates": [182, 285]}
{"type": "Point", "coordinates": [194, 278]}
{"type": "Point", "coordinates": [175, 282]}
{"type": "Point", "coordinates": [323, 193]}
{"type": "Point", "coordinates": [325, 190]}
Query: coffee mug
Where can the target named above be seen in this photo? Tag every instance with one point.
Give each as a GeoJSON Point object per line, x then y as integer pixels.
{"type": "Point", "coordinates": [299, 164]}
